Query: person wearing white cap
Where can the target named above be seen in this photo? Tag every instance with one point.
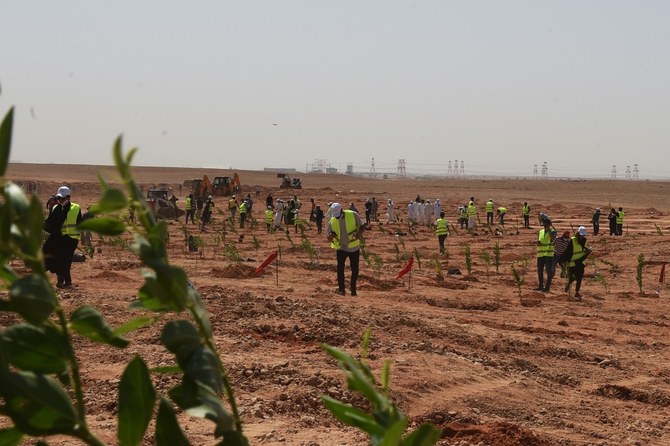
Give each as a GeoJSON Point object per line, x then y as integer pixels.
{"type": "Point", "coordinates": [58, 249]}
{"type": "Point", "coordinates": [577, 253]}
{"type": "Point", "coordinates": [343, 231]}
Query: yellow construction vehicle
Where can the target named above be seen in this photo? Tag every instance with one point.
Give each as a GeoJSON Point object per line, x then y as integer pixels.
{"type": "Point", "coordinates": [161, 205]}
{"type": "Point", "coordinates": [201, 188]}
{"type": "Point", "coordinates": [288, 183]}
{"type": "Point", "coordinates": [226, 185]}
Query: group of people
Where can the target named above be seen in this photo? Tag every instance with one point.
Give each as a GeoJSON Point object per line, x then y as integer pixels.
{"type": "Point", "coordinates": [565, 251]}
{"type": "Point", "coordinates": [343, 230]}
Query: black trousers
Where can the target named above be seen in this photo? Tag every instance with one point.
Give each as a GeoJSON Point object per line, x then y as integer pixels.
{"type": "Point", "coordinates": [353, 262]}
{"type": "Point", "coordinates": [576, 274]}
{"type": "Point", "coordinates": [64, 262]}
{"type": "Point", "coordinates": [526, 221]}
{"type": "Point", "coordinates": [596, 228]}
{"type": "Point", "coordinates": [440, 240]}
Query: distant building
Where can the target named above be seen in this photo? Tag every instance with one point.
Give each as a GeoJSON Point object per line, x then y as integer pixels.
{"type": "Point", "coordinates": [280, 169]}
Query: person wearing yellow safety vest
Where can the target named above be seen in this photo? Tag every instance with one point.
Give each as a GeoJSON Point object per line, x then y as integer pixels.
{"type": "Point", "coordinates": [545, 255]}
{"type": "Point", "coordinates": [489, 212]}
{"type": "Point", "coordinates": [525, 211]}
{"type": "Point", "coordinates": [190, 209]}
{"type": "Point", "coordinates": [576, 252]}
{"type": "Point", "coordinates": [343, 231]}
{"type": "Point", "coordinates": [243, 213]}
{"type": "Point", "coordinates": [463, 216]}
{"type": "Point", "coordinates": [619, 221]}
{"type": "Point", "coordinates": [501, 214]}
{"type": "Point", "coordinates": [269, 217]}
{"type": "Point", "coordinates": [472, 215]}
{"type": "Point", "coordinates": [441, 230]}
{"type": "Point", "coordinates": [58, 249]}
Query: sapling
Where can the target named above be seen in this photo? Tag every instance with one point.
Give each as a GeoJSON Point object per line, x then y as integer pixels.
{"type": "Point", "coordinates": [640, 266]}
{"type": "Point", "coordinates": [468, 257]}
{"type": "Point", "coordinates": [496, 256]}
{"type": "Point", "coordinates": [255, 243]}
{"type": "Point", "coordinates": [518, 279]}
{"type": "Point", "coordinates": [658, 229]}
{"type": "Point", "coordinates": [486, 258]}
{"type": "Point", "coordinates": [381, 419]}
{"type": "Point", "coordinates": [418, 258]}
{"type": "Point", "coordinates": [435, 262]}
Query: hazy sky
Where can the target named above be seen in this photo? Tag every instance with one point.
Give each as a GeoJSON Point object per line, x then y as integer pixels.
{"type": "Point", "coordinates": [500, 85]}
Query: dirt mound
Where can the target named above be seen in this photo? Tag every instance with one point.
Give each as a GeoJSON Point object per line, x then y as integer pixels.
{"type": "Point", "coordinates": [495, 433]}
{"type": "Point", "coordinates": [234, 272]}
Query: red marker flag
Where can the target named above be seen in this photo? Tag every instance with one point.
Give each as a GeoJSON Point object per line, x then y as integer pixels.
{"type": "Point", "coordinates": [267, 261]}
{"type": "Point", "coordinates": [406, 269]}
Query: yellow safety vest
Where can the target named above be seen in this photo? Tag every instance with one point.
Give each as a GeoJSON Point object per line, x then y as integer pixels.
{"type": "Point", "coordinates": [69, 227]}
{"type": "Point", "coordinates": [619, 218]}
{"type": "Point", "coordinates": [577, 251]}
{"type": "Point", "coordinates": [189, 204]}
{"type": "Point", "coordinates": [489, 206]}
{"type": "Point", "coordinates": [243, 208]}
{"type": "Point", "coordinates": [441, 227]}
{"type": "Point", "coordinates": [350, 224]}
{"type": "Point", "coordinates": [268, 216]}
{"type": "Point", "coordinates": [502, 210]}
{"type": "Point", "coordinates": [463, 213]}
{"type": "Point", "coordinates": [546, 246]}
{"type": "Point", "coordinates": [472, 210]}
{"type": "Point", "coordinates": [526, 210]}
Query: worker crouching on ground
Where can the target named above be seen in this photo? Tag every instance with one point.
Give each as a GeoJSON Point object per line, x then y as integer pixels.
{"type": "Point", "coordinates": [343, 231]}
{"type": "Point", "coordinates": [576, 252]}
{"type": "Point", "coordinates": [501, 215]}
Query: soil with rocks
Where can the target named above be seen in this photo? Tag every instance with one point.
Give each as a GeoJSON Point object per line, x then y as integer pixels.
{"type": "Point", "coordinates": [485, 360]}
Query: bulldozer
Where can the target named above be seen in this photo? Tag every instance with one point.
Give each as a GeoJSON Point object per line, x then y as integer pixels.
{"type": "Point", "coordinates": [288, 183]}
{"type": "Point", "coordinates": [226, 185]}
{"type": "Point", "coordinates": [160, 204]}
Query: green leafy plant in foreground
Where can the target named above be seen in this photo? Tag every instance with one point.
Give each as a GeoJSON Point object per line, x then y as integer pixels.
{"type": "Point", "coordinates": [384, 424]}
{"type": "Point", "coordinates": [40, 380]}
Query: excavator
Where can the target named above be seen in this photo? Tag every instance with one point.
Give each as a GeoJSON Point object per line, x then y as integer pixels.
{"type": "Point", "coordinates": [201, 188]}
{"type": "Point", "coordinates": [226, 185]}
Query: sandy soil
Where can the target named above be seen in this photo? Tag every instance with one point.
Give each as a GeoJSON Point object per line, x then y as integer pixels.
{"type": "Point", "coordinates": [486, 363]}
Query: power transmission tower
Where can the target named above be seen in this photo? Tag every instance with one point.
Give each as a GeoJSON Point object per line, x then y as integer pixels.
{"type": "Point", "coordinates": [462, 172]}
{"type": "Point", "coordinates": [455, 168]}
{"type": "Point", "coordinates": [636, 172]}
{"type": "Point", "coordinates": [402, 172]}
{"type": "Point", "coordinates": [628, 172]}
{"type": "Point", "coordinates": [613, 172]}
{"type": "Point", "coordinates": [535, 170]}
{"type": "Point", "coordinates": [373, 174]}
{"type": "Point", "coordinates": [545, 170]}
{"type": "Point", "coordinates": [449, 171]}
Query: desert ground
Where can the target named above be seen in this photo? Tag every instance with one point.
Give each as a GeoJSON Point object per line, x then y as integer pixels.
{"type": "Point", "coordinates": [487, 362]}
